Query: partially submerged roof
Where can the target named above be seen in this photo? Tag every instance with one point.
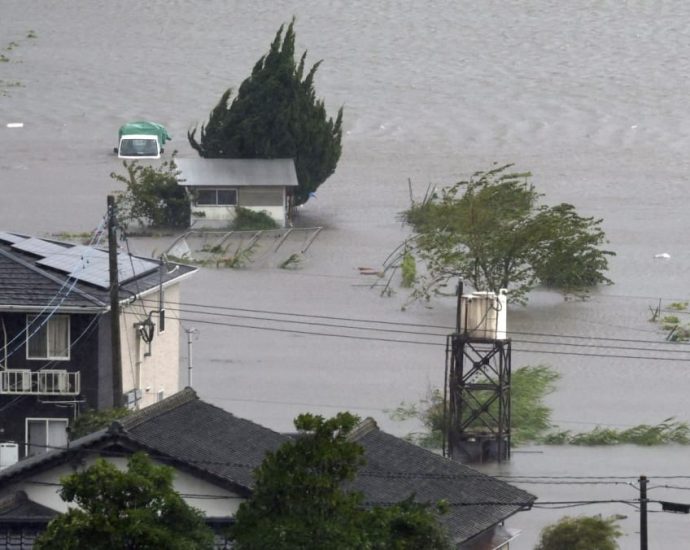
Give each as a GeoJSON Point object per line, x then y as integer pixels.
{"type": "Point", "coordinates": [36, 272]}
{"type": "Point", "coordinates": [203, 172]}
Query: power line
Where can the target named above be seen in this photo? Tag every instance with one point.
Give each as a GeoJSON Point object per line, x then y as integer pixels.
{"type": "Point", "coordinates": [184, 306]}
{"type": "Point", "coordinates": [426, 343]}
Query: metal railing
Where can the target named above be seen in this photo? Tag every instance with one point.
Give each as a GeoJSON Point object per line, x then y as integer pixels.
{"type": "Point", "coordinates": [43, 382]}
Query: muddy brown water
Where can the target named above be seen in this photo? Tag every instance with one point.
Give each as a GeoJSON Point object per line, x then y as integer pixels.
{"type": "Point", "coordinates": [592, 98]}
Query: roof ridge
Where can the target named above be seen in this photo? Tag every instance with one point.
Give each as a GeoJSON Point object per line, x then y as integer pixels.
{"type": "Point", "coordinates": [176, 400]}
{"type": "Point", "coordinates": [363, 428]}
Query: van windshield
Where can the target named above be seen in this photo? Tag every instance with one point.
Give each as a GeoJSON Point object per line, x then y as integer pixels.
{"type": "Point", "coordinates": [138, 147]}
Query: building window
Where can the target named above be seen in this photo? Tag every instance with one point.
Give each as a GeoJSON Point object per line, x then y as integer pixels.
{"type": "Point", "coordinates": [216, 197]}
{"type": "Point", "coordinates": [45, 434]}
{"type": "Point", "coordinates": [47, 339]}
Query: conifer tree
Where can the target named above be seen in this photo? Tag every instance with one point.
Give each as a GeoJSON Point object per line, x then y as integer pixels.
{"type": "Point", "coordinates": [276, 114]}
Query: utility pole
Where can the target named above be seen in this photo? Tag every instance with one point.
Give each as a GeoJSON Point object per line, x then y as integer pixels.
{"type": "Point", "coordinates": [116, 358]}
{"type": "Point", "coordinates": [190, 332]}
{"type": "Point", "coordinates": [643, 512]}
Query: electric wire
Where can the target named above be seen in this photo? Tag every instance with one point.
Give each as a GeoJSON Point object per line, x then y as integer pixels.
{"type": "Point", "coordinates": [185, 307]}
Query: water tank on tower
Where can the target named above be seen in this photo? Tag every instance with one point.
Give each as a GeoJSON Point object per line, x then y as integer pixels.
{"type": "Point", "coordinates": [484, 315]}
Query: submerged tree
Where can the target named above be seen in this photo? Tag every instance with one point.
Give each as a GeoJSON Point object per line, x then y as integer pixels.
{"type": "Point", "coordinates": [300, 499]}
{"type": "Point", "coordinates": [134, 509]}
{"type": "Point", "coordinates": [154, 196]}
{"type": "Point", "coordinates": [581, 533]}
{"type": "Point", "coordinates": [276, 114]}
{"type": "Point", "coordinates": [492, 232]}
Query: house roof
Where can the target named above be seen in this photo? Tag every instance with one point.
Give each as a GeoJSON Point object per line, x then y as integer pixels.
{"type": "Point", "coordinates": [181, 430]}
{"type": "Point", "coordinates": [202, 172]}
{"type": "Point", "coordinates": [192, 434]}
{"type": "Point", "coordinates": [396, 469]}
{"type": "Point", "coordinates": [18, 507]}
{"type": "Point", "coordinates": [37, 272]}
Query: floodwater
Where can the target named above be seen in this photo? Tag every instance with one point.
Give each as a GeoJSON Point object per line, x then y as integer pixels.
{"type": "Point", "coordinates": [590, 97]}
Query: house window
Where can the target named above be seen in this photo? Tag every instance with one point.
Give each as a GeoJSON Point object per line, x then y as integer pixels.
{"type": "Point", "coordinates": [45, 434]}
{"type": "Point", "coordinates": [47, 339]}
{"type": "Point", "coordinates": [216, 197]}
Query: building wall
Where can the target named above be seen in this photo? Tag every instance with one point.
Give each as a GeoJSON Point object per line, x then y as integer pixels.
{"type": "Point", "coordinates": [43, 488]}
{"type": "Point", "coordinates": [84, 358]}
{"type": "Point", "coordinates": [272, 200]}
{"type": "Point", "coordinates": [155, 367]}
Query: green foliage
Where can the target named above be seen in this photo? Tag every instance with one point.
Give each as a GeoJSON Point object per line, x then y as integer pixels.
{"type": "Point", "coordinates": [91, 421]}
{"type": "Point", "coordinates": [249, 220]}
{"type": "Point", "coordinates": [299, 500]}
{"type": "Point", "coordinates": [153, 197]}
{"type": "Point", "coordinates": [408, 268]}
{"type": "Point", "coordinates": [275, 114]}
{"type": "Point", "coordinates": [581, 533]}
{"type": "Point", "coordinates": [669, 321]}
{"type": "Point", "coordinates": [530, 418]}
{"type": "Point", "coordinates": [678, 306]}
{"type": "Point", "coordinates": [492, 232]}
{"type": "Point", "coordinates": [430, 412]}
{"type": "Point", "coordinates": [133, 509]}
{"type": "Point", "coordinates": [668, 431]}
{"type": "Point", "coordinates": [292, 262]}
{"type": "Point", "coordinates": [407, 525]}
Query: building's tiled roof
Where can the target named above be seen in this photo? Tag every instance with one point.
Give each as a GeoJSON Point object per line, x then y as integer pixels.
{"type": "Point", "coordinates": [187, 432]}
{"type": "Point", "coordinates": [204, 436]}
{"type": "Point", "coordinates": [25, 284]}
{"type": "Point", "coordinates": [18, 507]}
{"type": "Point", "coordinates": [396, 469]}
{"type": "Point", "coordinates": [182, 430]}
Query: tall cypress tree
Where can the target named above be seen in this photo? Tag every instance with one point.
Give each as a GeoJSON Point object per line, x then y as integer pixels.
{"type": "Point", "coordinates": [276, 114]}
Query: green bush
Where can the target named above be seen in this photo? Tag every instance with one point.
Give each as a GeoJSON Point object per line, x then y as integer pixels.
{"type": "Point", "coordinates": [154, 196]}
{"type": "Point", "coordinates": [408, 268]}
{"type": "Point", "coordinates": [249, 220]}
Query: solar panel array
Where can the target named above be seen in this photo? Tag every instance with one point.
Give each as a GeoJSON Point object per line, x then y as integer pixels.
{"type": "Point", "coordinates": [85, 263]}
{"type": "Point", "coordinates": [10, 237]}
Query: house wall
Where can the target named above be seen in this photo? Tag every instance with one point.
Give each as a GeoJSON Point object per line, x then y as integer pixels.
{"type": "Point", "coordinates": [84, 339]}
{"type": "Point", "coordinates": [272, 200]}
{"type": "Point", "coordinates": [151, 368]}
{"type": "Point", "coordinates": [43, 488]}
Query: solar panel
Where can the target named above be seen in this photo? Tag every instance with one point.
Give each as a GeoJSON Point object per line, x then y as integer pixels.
{"type": "Point", "coordinates": [39, 247]}
{"type": "Point", "coordinates": [11, 237]}
{"type": "Point", "coordinates": [92, 265]}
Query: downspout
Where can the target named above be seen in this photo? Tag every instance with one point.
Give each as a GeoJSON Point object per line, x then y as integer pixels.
{"type": "Point", "coordinates": [4, 347]}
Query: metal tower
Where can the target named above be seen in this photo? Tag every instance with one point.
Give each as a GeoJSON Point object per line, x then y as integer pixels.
{"type": "Point", "coordinates": [477, 385]}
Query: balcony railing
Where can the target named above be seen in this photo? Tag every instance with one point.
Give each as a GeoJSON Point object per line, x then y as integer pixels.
{"type": "Point", "coordinates": [43, 382]}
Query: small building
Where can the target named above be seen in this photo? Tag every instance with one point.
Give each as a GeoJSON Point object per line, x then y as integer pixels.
{"type": "Point", "coordinates": [215, 453]}
{"type": "Point", "coordinates": [218, 186]}
{"type": "Point", "coordinates": [55, 337]}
